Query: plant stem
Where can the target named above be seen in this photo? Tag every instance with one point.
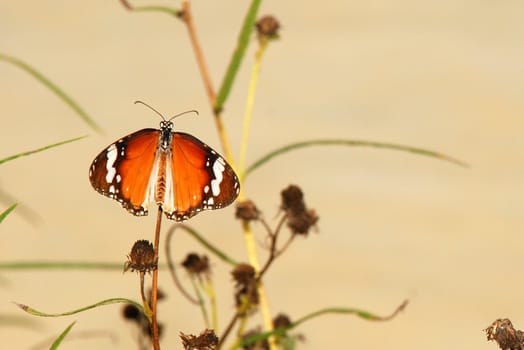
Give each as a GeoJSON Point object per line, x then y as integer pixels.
{"type": "Point", "coordinates": [154, 284]}
{"type": "Point", "coordinates": [249, 105]}
{"type": "Point", "coordinates": [206, 77]}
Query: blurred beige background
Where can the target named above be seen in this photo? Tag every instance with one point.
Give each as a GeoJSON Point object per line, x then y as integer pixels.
{"type": "Point", "coordinates": [443, 75]}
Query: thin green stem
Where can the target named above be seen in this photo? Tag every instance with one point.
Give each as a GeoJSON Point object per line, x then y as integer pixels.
{"type": "Point", "coordinates": [55, 89]}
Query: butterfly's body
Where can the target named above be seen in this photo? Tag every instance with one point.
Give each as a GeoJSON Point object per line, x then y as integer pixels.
{"type": "Point", "coordinates": [172, 169]}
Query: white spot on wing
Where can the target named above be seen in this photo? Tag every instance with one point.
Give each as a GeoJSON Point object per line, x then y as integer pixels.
{"type": "Point", "coordinates": [218, 169]}
{"type": "Point", "coordinates": [111, 154]}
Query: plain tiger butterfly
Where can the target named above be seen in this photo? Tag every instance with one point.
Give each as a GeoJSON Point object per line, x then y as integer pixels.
{"type": "Point", "coordinates": [175, 170]}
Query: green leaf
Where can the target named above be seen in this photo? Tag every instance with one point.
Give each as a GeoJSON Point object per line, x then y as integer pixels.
{"type": "Point", "coordinates": [34, 312]}
{"type": "Point", "coordinates": [341, 142]}
{"type": "Point", "coordinates": [61, 337]}
{"type": "Point", "coordinates": [337, 310]}
{"type": "Point", "coordinates": [54, 88]}
{"type": "Point", "coordinates": [238, 55]}
{"type": "Point", "coordinates": [7, 211]}
{"type": "Point", "coordinates": [39, 149]}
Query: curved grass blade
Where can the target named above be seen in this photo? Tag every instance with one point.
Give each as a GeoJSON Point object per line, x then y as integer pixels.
{"type": "Point", "coordinates": [25, 211]}
{"type": "Point", "coordinates": [238, 55]}
{"type": "Point", "coordinates": [60, 265]}
{"type": "Point", "coordinates": [207, 245]}
{"type": "Point", "coordinates": [61, 337]}
{"type": "Point", "coordinates": [54, 88]}
{"type": "Point", "coordinates": [7, 211]}
{"type": "Point", "coordinates": [342, 142]}
{"type": "Point", "coordinates": [40, 149]}
{"type": "Point", "coordinates": [34, 312]}
{"type": "Point", "coordinates": [357, 312]}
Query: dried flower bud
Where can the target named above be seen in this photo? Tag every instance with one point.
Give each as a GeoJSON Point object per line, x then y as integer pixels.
{"type": "Point", "coordinates": [507, 337]}
{"type": "Point", "coordinates": [247, 211]}
{"type": "Point", "coordinates": [301, 223]}
{"type": "Point", "coordinates": [207, 340]}
{"type": "Point", "coordinates": [293, 199]}
{"type": "Point", "coordinates": [195, 264]}
{"type": "Point", "coordinates": [281, 320]}
{"type": "Point", "coordinates": [141, 258]}
{"type": "Point", "coordinates": [131, 312]}
{"type": "Point", "coordinates": [243, 274]}
{"type": "Point", "coordinates": [246, 295]}
{"type": "Point", "coordinates": [268, 26]}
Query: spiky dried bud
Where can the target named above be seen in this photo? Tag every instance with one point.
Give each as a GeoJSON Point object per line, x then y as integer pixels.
{"type": "Point", "coordinates": [243, 274]}
{"type": "Point", "coordinates": [302, 222]}
{"type": "Point", "coordinates": [507, 337]}
{"type": "Point", "coordinates": [195, 264]}
{"type": "Point", "coordinates": [247, 211]}
{"type": "Point", "coordinates": [207, 340]}
{"type": "Point", "coordinates": [246, 294]}
{"type": "Point", "coordinates": [281, 320]}
{"type": "Point", "coordinates": [268, 26]}
{"type": "Point", "coordinates": [299, 218]}
{"type": "Point", "coordinates": [141, 258]}
{"type": "Point", "coordinates": [293, 199]}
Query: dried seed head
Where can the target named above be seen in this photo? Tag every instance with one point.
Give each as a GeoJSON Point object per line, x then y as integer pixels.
{"type": "Point", "coordinates": [207, 340]}
{"type": "Point", "coordinates": [267, 26]}
{"type": "Point", "coordinates": [246, 294]}
{"type": "Point", "coordinates": [243, 274]}
{"type": "Point", "coordinates": [293, 199]}
{"type": "Point", "coordinates": [301, 223]}
{"type": "Point", "coordinates": [195, 264]}
{"type": "Point", "coordinates": [299, 218]}
{"type": "Point", "coordinates": [141, 258]}
{"type": "Point", "coordinates": [247, 211]}
{"type": "Point", "coordinates": [281, 320]}
{"type": "Point", "coordinates": [507, 337]}
{"type": "Point", "coordinates": [131, 312]}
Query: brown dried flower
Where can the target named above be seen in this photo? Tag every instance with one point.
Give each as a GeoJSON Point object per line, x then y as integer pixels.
{"type": "Point", "coordinates": [196, 264]}
{"type": "Point", "coordinates": [267, 26]}
{"type": "Point", "coordinates": [247, 211]}
{"type": "Point", "coordinates": [141, 258]}
{"type": "Point", "coordinates": [299, 218]}
{"type": "Point", "coordinates": [246, 295]}
{"type": "Point", "coordinates": [281, 320]}
{"type": "Point", "coordinates": [507, 337]}
{"type": "Point", "coordinates": [243, 274]}
{"type": "Point", "coordinates": [207, 340]}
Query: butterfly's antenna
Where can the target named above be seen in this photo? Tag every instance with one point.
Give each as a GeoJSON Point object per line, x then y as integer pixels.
{"type": "Point", "coordinates": [151, 108]}
{"type": "Point", "coordinates": [186, 112]}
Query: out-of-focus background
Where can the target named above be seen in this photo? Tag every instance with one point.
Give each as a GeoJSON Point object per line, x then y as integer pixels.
{"type": "Point", "coordinates": [443, 75]}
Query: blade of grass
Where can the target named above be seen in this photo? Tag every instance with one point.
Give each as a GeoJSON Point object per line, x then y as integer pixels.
{"type": "Point", "coordinates": [336, 310]}
{"type": "Point", "coordinates": [62, 265]}
{"type": "Point", "coordinates": [34, 312]}
{"type": "Point", "coordinates": [7, 211]}
{"type": "Point", "coordinates": [55, 89]}
{"type": "Point", "coordinates": [61, 337]}
{"type": "Point", "coordinates": [341, 142]}
{"type": "Point", "coordinates": [223, 256]}
{"type": "Point", "coordinates": [243, 41]}
{"type": "Point", "coordinates": [39, 149]}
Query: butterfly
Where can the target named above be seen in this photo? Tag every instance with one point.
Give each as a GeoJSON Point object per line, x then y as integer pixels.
{"type": "Point", "coordinates": [175, 170]}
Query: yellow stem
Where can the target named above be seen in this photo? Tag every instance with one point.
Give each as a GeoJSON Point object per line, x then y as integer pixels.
{"type": "Point", "coordinates": [255, 72]}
